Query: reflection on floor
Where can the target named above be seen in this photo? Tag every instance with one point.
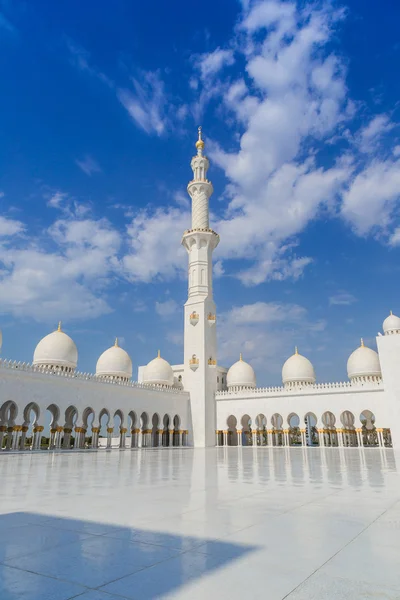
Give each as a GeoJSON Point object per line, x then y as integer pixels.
{"type": "Point", "coordinates": [216, 523]}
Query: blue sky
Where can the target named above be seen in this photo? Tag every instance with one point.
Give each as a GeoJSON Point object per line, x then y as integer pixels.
{"type": "Point", "coordinates": [98, 117]}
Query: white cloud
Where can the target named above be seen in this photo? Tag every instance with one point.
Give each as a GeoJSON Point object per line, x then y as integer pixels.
{"type": "Point", "coordinates": [266, 333]}
{"type": "Point", "coordinates": [369, 201]}
{"type": "Point", "coordinates": [147, 103]}
{"type": "Point", "coordinates": [88, 165]}
{"type": "Point", "coordinates": [155, 250]}
{"type": "Point", "coordinates": [370, 135]}
{"type": "Point", "coordinates": [209, 64]}
{"type": "Point", "coordinates": [10, 227]}
{"type": "Point", "coordinates": [167, 308]}
{"type": "Point", "coordinates": [394, 239]}
{"type": "Point", "coordinates": [342, 299]}
{"type": "Point", "coordinates": [67, 282]}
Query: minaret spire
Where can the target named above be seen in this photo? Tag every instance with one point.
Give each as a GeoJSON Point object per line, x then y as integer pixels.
{"type": "Point", "coordinates": [200, 189]}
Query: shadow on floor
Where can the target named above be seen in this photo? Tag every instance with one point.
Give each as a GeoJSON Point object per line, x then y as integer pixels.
{"type": "Point", "coordinates": [49, 558]}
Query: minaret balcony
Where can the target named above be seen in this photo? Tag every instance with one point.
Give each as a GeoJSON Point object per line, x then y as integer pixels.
{"type": "Point", "coordinates": [212, 362]}
{"type": "Point", "coordinates": [194, 318]}
{"type": "Point", "coordinates": [212, 319]}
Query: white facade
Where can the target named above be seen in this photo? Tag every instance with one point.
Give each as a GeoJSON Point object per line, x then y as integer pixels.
{"type": "Point", "coordinates": [198, 402]}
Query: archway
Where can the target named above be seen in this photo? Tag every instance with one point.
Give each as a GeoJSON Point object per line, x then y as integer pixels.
{"type": "Point", "coordinates": [155, 432]}
{"type": "Point", "coordinates": [165, 435]}
{"type": "Point", "coordinates": [146, 432]}
{"type": "Point", "coordinates": [369, 434]}
{"type": "Point", "coordinates": [277, 431]}
{"type": "Point", "coordinates": [294, 430]}
{"type": "Point", "coordinates": [71, 417]}
{"type": "Point", "coordinates": [246, 431]}
{"type": "Point", "coordinates": [176, 434]}
{"type": "Point", "coordinates": [312, 435]}
{"type": "Point", "coordinates": [349, 431]}
{"type": "Point", "coordinates": [232, 430]}
{"type": "Point", "coordinates": [261, 425]}
{"type": "Point", "coordinates": [55, 429]}
{"type": "Point", "coordinates": [330, 433]}
{"type": "Point", "coordinates": [34, 431]}
{"type": "Point", "coordinates": [119, 431]}
{"type": "Point", "coordinates": [133, 428]}
{"type": "Point", "coordinates": [85, 433]}
{"type": "Point", "coordinates": [8, 415]}
{"type": "Point", "coordinates": [105, 428]}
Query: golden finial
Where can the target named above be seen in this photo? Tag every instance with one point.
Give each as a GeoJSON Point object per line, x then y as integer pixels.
{"type": "Point", "coordinates": [200, 142]}
{"type": "Point", "coordinates": [362, 343]}
{"type": "Point", "coordinates": [240, 356]}
{"type": "Point", "coordinates": [296, 350]}
{"type": "Point", "coordinates": [116, 343]}
{"type": "Point", "coordinates": [59, 326]}
{"type": "Point", "coordinates": [158, 354]}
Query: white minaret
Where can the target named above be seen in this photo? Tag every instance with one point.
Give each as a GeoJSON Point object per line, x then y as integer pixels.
{"type": "Point", "coordinates": [200, 340]}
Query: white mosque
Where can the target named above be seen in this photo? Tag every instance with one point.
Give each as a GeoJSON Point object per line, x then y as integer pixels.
{"type": "Point", "coordinates": [50, 405]}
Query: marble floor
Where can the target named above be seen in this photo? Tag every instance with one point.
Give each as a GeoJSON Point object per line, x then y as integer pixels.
{"type": "Point", "coordinates": [218, 523]}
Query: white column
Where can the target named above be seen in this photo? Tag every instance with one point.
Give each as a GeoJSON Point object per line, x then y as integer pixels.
{"type": "Point", "coordinates": [9, 439]}
{"type": "Point", "coordinates": [239, 437]}
{"type": "Point", "coordinates": [171, 438]}
{"type": "Point", "coordinates": [3, 429]}
{"type": "Point", "coordinates": [109, 436]}
{"type": "Point", "coordinates": [134, 438]}
{"type": "Point", "coordinates": [380, 438]}
{"type": "Point", "coordinates": [95, 437]}
{"type": "Point", "coordinates": [359, 438]}
{"type": "Point", "coordinates": [17, 429]}
{"type": "Point", "coordinates": [24, 429]}
{"type": "Point", "coordinates": [340, 437]}
{"type": "Point", "coordinates": [122, 438]}
{"type": "Point", "coordinates": [254, 436]}
{"type": "Point", "coordinates": [67, 438]}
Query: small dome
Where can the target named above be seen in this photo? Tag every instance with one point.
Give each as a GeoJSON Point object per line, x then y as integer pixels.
{"type": "Point", "coordinates": [363, 362]}
{"type": "Point", "coordinates": [391, 324]}
{"type": "Point", "coordinates": [241, 375]}
{"type": "Point", "coordinates": [57, 350]}
{"type": "Point", "coordinates": [159, 372]}
{"type": "Point", "coordinates": [114, 362]}
{"type": "Point", "coordinates": [298, 369]}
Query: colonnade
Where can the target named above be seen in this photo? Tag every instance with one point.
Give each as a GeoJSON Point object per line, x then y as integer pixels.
{"type": "Point", "coordinates": [14, 438]}
{"type": "Point", "coordinates": [333, 437]}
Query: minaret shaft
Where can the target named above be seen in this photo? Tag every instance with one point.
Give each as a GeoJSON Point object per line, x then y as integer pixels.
{"type": "Point", "coordinates": [200, 340]}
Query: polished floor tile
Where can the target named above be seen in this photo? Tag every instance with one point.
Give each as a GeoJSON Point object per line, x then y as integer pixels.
{"type": "Point", "coordinates": [21, 585]}
{"type": "Point", "coordinates": [226, 523]}
{"type": "Point", "coordinates": [93, 561]}
{"type": "Point", "coordinates": [323, 587]}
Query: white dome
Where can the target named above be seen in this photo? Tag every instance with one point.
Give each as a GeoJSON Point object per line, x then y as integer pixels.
{"type": "Point", "coordinates": [298, 369]}
{"type": "Point", "coordinates": [56, 350]}
{"type": "Point", "coordinates": [363, 362]}
{"type": "Point", "coordinates": [391, 324]}
{"type": "Point", "coordinates": [159, 372]}
{"type": "Point", "coordinates": [241, 374]}
{"type": "Point", "coordinates": [114, 362]}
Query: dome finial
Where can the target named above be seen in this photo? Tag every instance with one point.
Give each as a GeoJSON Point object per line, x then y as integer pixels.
{"type": "Point", "coordinates": [59, 326]}
{"type": "Point", "coordinates": [158, 354]}
{"type": "Point", "coordinates": [391, 313]}
{"type": "Point", "coordinates": [200, 142]}
{"type": "Point", "coordinates": [116, 343]}
{"type": "Point", "coordinates": [362, 343]}
{"type": "Point", "coordinates": [296, 351]}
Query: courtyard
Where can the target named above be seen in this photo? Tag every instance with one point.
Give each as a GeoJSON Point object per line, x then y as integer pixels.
{"type": "Point", "coordinates": [296, 523]}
